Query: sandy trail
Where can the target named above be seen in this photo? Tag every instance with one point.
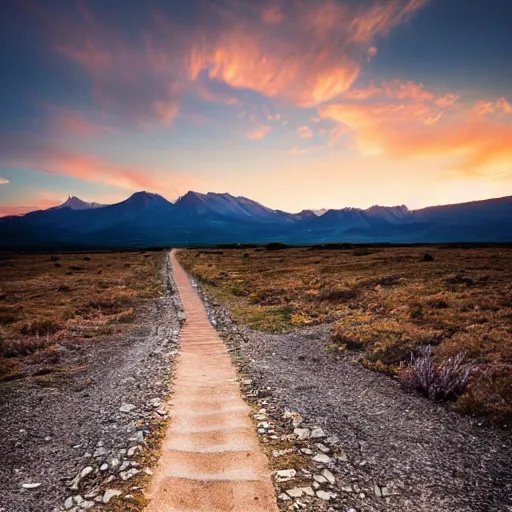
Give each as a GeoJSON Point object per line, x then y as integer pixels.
{"type": "Point", "coordinates": [211, 459]}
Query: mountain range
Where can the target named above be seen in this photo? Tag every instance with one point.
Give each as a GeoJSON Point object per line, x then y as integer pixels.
{"type": "Point", "coordinates": [149, 220]}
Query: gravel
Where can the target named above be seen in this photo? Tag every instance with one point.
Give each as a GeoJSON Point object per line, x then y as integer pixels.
{"type": "Point", "coordinates": [399, 452]}
{"type": "Point", "coordinates": [58, 435]}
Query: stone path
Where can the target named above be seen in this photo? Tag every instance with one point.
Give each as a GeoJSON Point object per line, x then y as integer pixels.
{"type": "Point", "coordinates": [211, 460]}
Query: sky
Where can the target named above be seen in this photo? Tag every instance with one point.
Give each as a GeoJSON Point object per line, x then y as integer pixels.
{"type": "Point", "coordinates": [293, 103]}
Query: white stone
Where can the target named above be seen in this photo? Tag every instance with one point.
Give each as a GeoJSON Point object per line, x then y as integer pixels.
{"type": "Point", "coordinates": [320, 479]}
{"type": "Point", "coordinates": [302, 433]}
{"type": "Point", "coordinates": [34, 485]}
{"type": "Point", "coordinates": [329, 476]}
{"type": "Point", "coordinates": [322, 458]}
{"type": "Point", "coordinates": [68, 504]}
{"type": "Point", "coordinates": [317, 433]}
{"type": "Point", "coordinates": [285, 474]}
{"type": "Point", "coordinates": [126, 408]}
{"type": "Point", "coordinates": [86, 471]}
{"type": "Point", "coordinates": [324, 495]}
{"type": "Point", "coordinates": [109, 494]}
{"type": "Point", "coordinates": [133, 450]}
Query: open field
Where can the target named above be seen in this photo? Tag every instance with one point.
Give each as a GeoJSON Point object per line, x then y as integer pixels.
{"type": "Point", "coordinates": [381, 302]}
{"type": "Point", "coordinates": [49, 300]}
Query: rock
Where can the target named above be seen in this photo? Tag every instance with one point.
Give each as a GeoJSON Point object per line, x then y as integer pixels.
{"type": "Point", "coordinates": [109, 494]}
{"type": "Point", "coordinates": [284, 497]}
{"type": "Point", "coordinates": [325, 495]}
{"type": "Point", "coordinates": [377, 491]}
{"type": "Point", "coordinates": [114, 463]}
{"type": "Point", "coordinates": [321, 458]}
{"type": "Point", "coordinates": [87, 505]}
{"type": "Point", "coordinates": [329, 476]}
{"type": "Point", "coordinates": [34, 485]}
{"type": "Point", "coordinates": [386, 491]}
{"type": "Point", "coordinates": [126, 475]}
{"type": "Point", "coordinates": [302, 433]}
{"type": "Point", "coordinates": [148, 471]}
{"type": "Point", "coordinates": [333, 440]}
{"type": "Point", "coordinates": [125, 465]}
{"type": "Point", "coordinates": [99, 452]}
{"type": "Point", "coordinates": [297, 420]}
{"type": "Point", "coordinates": [297, 492]}
{"type": "Point", "coordinates": [306, 451]}
{"type": "Point", "coordinates": [68, 504]}
{"type": "Point", "coordinates": [131, 451]}
{"type": "Point", "coordinates": [317, 433]}
{"type": "Point", "coordinates": [78, 499]}
{"type": "Point", "coordinates": [320, 479]}
{"type": "Point", "coordinates": [86, 472]}
{"type": "Point", "coordinates": [126, 408]}
{"type": "Point", "coordinates": [322, 448]}
{"type": "Point", "coordinates": [104, 467]}
{"type": "Point", "coordinates": [285, 474]}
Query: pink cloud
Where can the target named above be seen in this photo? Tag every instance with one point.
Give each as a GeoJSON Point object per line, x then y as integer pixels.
{"type": "Point", "coordinates": [260, 132]}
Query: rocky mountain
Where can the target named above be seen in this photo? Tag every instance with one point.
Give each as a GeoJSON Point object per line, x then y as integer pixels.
{"type": "Point", "coordinates": [147, 219]}
{"type": "Point", "coordinates": [75, 203]}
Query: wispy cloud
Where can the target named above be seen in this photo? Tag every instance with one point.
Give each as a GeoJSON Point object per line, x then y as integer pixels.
{"type": "Point", "coordinates": [3, 181]}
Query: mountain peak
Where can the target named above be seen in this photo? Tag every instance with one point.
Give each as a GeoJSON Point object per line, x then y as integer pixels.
{"type": "Point", "coordinates": [75, 203]}
{"type": "Point", "coordinates": [144, 198]}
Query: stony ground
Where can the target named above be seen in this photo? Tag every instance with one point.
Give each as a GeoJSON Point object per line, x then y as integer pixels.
{"type": "Point", "coordinates": [387, 450]}
{"type": "Point", "coordinates": [81, 443]}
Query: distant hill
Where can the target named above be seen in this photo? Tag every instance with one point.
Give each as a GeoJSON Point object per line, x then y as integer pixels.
{"type": "Point", "coordinates": [147, 219]}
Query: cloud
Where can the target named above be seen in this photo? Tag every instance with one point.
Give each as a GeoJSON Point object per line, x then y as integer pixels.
{"type": "Point", "coordinates": [4, 181]}
{"type": "Point", "coordinates": [304, 132]}
{"type": "Point", "coordinates": [500, 106]}
{"type": "Point", "coordinates": [205, 94]}
{"type": "Point", "coordinates": [311, 58]}
{"type": "Point", "coordinates": [414, 125]}
{"type": "Point", "coordinates": [260, 132]}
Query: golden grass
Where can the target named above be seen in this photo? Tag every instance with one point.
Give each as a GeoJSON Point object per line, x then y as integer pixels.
{"type": "Point", "coordinates": [381, 301]}
{"type": "Point", "coordinates": [50, 299]}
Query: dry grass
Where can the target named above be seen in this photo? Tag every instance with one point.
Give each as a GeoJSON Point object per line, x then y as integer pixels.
{"type": "Point", "coordinates": [384, 302]}
{"type": "Point", "coordinates": [46, 300]}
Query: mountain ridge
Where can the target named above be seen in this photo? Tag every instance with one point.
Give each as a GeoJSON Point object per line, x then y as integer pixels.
{"type": "Point", "coordinates": [149, 219]}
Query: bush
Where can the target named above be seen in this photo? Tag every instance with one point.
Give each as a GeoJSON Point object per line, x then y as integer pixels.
{"type": "Point", "coordinates": [339, 295]}
{"type": "Point", "coordinates": [427, 257]}
{"type": "Point", "coordinates": [40, 327]}
{"type": "Point", "coordinates": [275, 246]}
{"type": "Point", "coordinates": [445, 381]}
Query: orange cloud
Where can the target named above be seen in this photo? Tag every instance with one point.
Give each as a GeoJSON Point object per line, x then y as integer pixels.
{"type": "Point", "coordinates": [500, 106]}
{"type": "Point", "coordinates": [272, 16]}
{"type": "Point", "coordinates": [209, 96]}
{"type": "Point", "coordinates": [4, 181]}
{"type": "Point", "coordinates": [259, 133]}
{"type": "Point", "coordinates": [401, 130]}
{"type": "Point", "coordinates": [274, 62]}
{"type": "Point", "coordinates": [304, 132]}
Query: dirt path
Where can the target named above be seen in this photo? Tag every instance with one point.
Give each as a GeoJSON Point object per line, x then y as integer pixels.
{"type": "Point", "coordinates": [211, 460]}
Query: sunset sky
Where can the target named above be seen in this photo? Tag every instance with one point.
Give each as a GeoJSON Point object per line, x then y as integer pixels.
{"type": "Point", "coordinates": [293, 103]}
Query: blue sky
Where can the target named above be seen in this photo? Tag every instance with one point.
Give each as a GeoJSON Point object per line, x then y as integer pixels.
{"type": "Point", "coordinates": [292, 103]}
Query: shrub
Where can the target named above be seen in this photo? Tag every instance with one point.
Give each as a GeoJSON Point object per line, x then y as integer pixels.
{"type": "Point", "coordinates": [445, 381]}
{"type": "Point", "coordinates": [275, 246]}
{"type": "Point", "coordinates": [40, 327]}
{"type": "Point", "coordinates": [339, 295]}
{"type": "Point", "coordinates": [427, 257]}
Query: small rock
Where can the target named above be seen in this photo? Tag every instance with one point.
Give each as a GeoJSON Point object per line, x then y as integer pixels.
{"type": "Point", "coordinates": [321, 458]}
{"type": "Point", "coordinates": [285, 474]}
{"type": "Point", "coordinates": [114, 463]}
{"type": "Point", "coordinates": [131, 451]}
{"type": "Point", "coordinates": [306, 451]}
{"type": "Point", "coordinates": [99, 452]}
{"type": "Point", "coordinates": [104, 467]}
{"type": "Point", "coordinates": [284, 497]}
{"type": "Point", "coordinates": [377, 491]}
{"type": "Point", "coordinates": [86, 471]}
{"type": "Point", "coordinates": [329, 476]}
{"type": "Point", "coordinates": [78, 499]}
{"type": "Point", "coordinates": [86, 505]}
{"type": "Point", "coordinates": [333, 440]}
{"type": "Point", "coordinates": [341, 455]}
{"type": "Point", "coordinates": [320, 479]}
{"type": "Point", "coordinates": [126, 475]}
{"type": "Point", "coordinates": [109, 494]}
{"type": "Point", "coordinates": [322, 448]}
{"type": "Point", "coordinates": [34, 485]}
{"type": "Point", "coordinates": [325, 495]}
{"type": "Point", "coordinates": [317, 433]}
{"type": "Point", "coordinates": [68, 504]}
{"type": "Point", "coordinates": [126, 408]}
{"type": "Point", "coordinates": [302, 433]}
